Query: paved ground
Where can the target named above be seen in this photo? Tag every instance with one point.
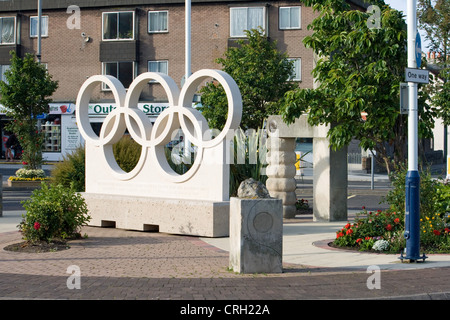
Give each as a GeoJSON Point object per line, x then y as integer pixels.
{"type": "Point", "coordinates": [126, 265]}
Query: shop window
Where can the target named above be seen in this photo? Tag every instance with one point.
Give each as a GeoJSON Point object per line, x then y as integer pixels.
{"type": "Point", "coordinates": [51, 127]}
{"type": "Point", "coordinates": [289, 18]}
{"type": "Point", "coordinates": [124, 71]}
{"type": "Point", "coordinates": [246, 18]}
{"type": "Point", "coordinates": [297, 72]}
{"type": "Point", "coordinates": [7, 30]}
{"type": "Point", "coordinates": [118, 25]}
{"type": "Point", "coordinates": [34, 26]}
{"type": "Point", "coordinates": [158, 21]}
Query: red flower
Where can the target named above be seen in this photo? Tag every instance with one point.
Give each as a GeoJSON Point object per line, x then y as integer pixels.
{"type": "Point", "coordinates": [358, 241]}
{"type": "Point", "coordinates": [339, 234]}
{"type": "Point", "coordinates": [347, 226]}
{"type": "Point", "coordinates": [397, 220]}
{"type": "Point", "coordinates": [364, 207]}
{"type": "Point", "coordinates": [389, 227]}
{"type": "Point", "coordinates": [37, 226]}
{"type": "Point", "coordinates": [349, 232]}
{"type": "Point", "coordinates": [436, 232]}
{"type": "Point", "coordinates": [367, 238]}
{"type": "Point", "coordinates": [447, 230]}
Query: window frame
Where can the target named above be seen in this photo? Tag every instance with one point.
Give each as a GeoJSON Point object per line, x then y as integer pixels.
{"type": "Point", "coordinates": [264, 19]}
{"type": "Point", "coordinates": [158, 61]}
{"type": "Point", "coordinates": [46, 31]}
{"type": "Point", "coordinates": [133, 27]}
{"type": "Point", "coordinates": [294, 77]}
{"type": "Point", "coordinates": [134, 65]}
{"type": "Point", "coordinates": [14, 32]}
{"type": "Point", "coordinates": [300, 18]}
{"type": "Point", "coordinates": [148, 21]}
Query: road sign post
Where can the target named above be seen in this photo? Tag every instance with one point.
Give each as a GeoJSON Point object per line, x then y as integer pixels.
{"type": "Point", "coordinates": [412, 183]}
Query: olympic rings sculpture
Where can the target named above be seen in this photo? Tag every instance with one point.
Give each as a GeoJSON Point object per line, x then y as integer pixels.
{"type": "Point", "coordinates": [153, 138]}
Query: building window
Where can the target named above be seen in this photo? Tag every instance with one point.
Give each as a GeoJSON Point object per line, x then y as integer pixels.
{"type": "Point", "coordinates": [3, 69]}
{"type": "Point", "coordinates": [290, 18]}
{"type": "Point", "coordinates": [158, 66]}
{"type": "Point", "coordinates": [118, 25]}
{"type": "Point", "coordinates": [158, 21]}
{"type": "Point", "coordinates": [34, 26]}
{"type": "Point", "coordinates": [7, 30]}
{"type": "Point", "coordinates": [123, 71]}
{"type": "Point", "coordinates": [297, 69]}
{"type": "Point", "coordinates": [242, 19]}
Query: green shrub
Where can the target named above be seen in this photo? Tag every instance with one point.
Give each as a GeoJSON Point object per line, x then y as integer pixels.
{"type": "Point", "coordinates": [249, 158]}
{"type": "Point", "coordinates": [127, 153]}
{"type": "Point", "coordinates": [54, 212]}
{"type": "Point", "coordinates": [71, 171]}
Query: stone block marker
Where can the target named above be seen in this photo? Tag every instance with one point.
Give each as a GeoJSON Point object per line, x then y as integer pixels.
{"type": "Point", "coordinates": [256, 235]}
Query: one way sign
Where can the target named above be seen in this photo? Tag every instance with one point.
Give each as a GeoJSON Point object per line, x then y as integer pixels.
{"type": "Point", "coordinates": [416, 75]}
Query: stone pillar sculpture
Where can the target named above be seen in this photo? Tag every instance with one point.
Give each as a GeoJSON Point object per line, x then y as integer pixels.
{"type": "Point", "coordinates": [281, 171]}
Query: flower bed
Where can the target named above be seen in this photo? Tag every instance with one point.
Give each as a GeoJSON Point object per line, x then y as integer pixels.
{"type": "Point", "coordinates": [28, 178]}
{"type": "Point", "coordinates": [382, 231]}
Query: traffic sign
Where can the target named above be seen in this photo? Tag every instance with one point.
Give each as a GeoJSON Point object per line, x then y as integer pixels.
{"type": "Point", "coordinates": [418, 46]}
{"type": "Point", "coordinates": [404, 101]}
{"type": "Point", "coordinates": [417, 75]}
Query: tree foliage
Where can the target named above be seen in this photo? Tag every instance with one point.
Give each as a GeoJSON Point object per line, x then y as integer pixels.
{"type": "Point", "coordinates": [359, 70]}
{"type": "Point", "coordinates": [261, 73]}
{"type": "Point", "coordinates": [25, 94]}
{"type": "Point", "coordinates": [434, 18]}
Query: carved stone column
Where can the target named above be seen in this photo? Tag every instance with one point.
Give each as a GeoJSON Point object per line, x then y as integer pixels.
{"type": "Point", "coordinates": [281, 171]}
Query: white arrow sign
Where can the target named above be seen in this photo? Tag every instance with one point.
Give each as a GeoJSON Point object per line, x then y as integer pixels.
{"type": "Point", "coordinates": [416, 75]}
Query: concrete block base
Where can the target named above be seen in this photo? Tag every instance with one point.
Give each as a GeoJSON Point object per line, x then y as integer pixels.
{"type": "Point", "coordinates": [256, 235]}
{"type": "Point", "coordinates": [187, 217]}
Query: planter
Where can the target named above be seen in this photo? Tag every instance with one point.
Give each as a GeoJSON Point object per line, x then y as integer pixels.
{"type": "Point", "coordinates": [25, 184]}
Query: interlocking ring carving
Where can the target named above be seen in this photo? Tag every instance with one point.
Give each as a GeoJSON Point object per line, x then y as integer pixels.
{"type": "Point", "coordinates": [152, 138]}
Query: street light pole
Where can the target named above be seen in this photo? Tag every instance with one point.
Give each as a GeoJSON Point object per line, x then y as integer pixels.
{"type": "Point", "coordinates": [39, 28]}
{"type": "Point", "coordinates": [412, 183]}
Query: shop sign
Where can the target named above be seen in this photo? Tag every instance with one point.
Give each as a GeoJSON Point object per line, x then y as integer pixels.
{"type": "Point", "coordinates": [61, 108]}
{"type": "Point", "coordinates": [147, 108]}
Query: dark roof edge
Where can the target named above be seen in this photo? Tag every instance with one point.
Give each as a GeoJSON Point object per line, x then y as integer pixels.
{"type": "Point", "coordinates": [27, 5]}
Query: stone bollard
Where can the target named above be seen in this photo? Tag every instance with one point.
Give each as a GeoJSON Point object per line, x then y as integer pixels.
{"type": "Point", "coordinates": [281, 171]}
{"type": "Point", "coordinates": [256, 235]}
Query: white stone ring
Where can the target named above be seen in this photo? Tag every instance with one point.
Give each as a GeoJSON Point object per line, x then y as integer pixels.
{"type": "Point", "coordinates": [153, 138]}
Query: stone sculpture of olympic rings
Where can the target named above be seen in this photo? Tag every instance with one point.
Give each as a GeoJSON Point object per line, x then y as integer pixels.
{"type": "Point", "coordinates": [153, 137]}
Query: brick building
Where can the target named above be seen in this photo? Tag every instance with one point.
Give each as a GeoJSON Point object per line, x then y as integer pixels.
{"type": "Point", "coordinates": [126, 38]}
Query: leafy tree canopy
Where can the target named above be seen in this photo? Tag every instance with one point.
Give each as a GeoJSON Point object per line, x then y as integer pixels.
{"type": "Point", "coordinates": [26, 94]}
{"type": "Point", "coordinates": [261, 73]}
{"type": "Point", "coordinates": [359, 70]}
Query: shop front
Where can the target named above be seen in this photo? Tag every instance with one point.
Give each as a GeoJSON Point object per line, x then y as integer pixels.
{"type": "Point", "coordinates": [61, 134]}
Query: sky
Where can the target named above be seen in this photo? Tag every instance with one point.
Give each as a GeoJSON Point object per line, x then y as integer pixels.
{"type": "Point", "coordinates": [400, 5]}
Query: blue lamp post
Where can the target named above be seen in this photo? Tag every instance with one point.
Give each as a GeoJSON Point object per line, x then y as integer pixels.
{"type": "Point", "coordinates": [412, 184]}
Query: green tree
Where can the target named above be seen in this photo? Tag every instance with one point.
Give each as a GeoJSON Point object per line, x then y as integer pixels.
{"type": "Point", "coordinates": [261, 73]}
{"type": "Point", "coordinates": [434, 18]}
{"type": "Point", "coordinates": [25, 94]}
{"type": "Point", "coordinates": [359, 70]}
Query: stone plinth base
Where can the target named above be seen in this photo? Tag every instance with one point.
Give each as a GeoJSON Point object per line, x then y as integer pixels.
{"type": "Point", "coordinates": [256, 235]}
{"type": "Point", "coordinates": [187, 217]}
